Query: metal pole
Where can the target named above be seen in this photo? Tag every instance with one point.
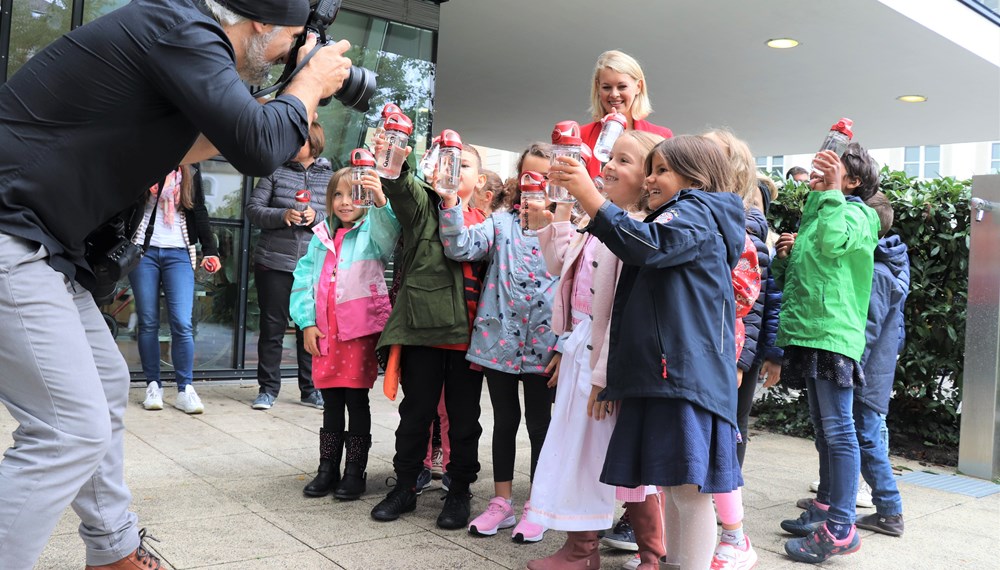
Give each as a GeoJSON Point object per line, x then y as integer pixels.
{"type": "Point", "coordinates": [979, 444]}
{"type": "Point", "coordinates": [6, 15]}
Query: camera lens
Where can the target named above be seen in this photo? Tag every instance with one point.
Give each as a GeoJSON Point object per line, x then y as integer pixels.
{"type": "Point", "coordinates": [357, 89]}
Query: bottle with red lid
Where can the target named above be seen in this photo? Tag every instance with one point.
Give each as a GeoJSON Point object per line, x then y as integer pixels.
{"type": "Point", "coordinates": [389, 160]}
{"type": "Point", "coordinates": [532, 185]}
{"type": "Point", "coordinates": [389, 109]}
{"type": "Point", "coordinates": [302, 198]}
{"type": "Point", "coordinates": [362, 162]}
{"type": "Point", "coordinates": [449, 166]}
{"type": "Point", "coordinates": [838, 138]}
{"type": "Point", "coordinates": [612, 126]}
{"type": "Point", "coordinates": [566, 141]}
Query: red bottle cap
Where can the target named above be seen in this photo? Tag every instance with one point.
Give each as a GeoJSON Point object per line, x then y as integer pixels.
{"type": "Point", "coordinates": [399, 122]}
{"type": "Point", "coordinates": [586, 153]}
{"type": "Point", "coordinates": [532, 181]}
{"type": "Point", "coordinates": [450, 138]}
{"type": "Point", "coordinates": [436, 140]}
{"type": "Point", "coordinates": [361, 157]}
{"type": "Point", "coordinates": [566, 133]}
{"type": "Point", "coordinates": [616, 117]}
{"type": "Point", "coordinates": [844, 126]}
{"type": "Point", "coordinates": [302, 196]}
{"type": "Point", "coordinates": [389, 109]}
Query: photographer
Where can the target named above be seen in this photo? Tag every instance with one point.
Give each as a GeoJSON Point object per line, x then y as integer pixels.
{"type": "Point", "coordinates": [117, 104]}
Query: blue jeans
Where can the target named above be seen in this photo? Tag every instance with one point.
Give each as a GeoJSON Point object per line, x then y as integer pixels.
{"type": "Point", "coordinates": [831, 408]}
{"type": "Point", "coordinates": [170, 267]}
{"type": "Point", "coordinates": [875, 466]}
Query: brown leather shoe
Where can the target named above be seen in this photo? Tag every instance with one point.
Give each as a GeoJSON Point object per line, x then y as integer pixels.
{"type": "Point", "coordinates": [140, 559]}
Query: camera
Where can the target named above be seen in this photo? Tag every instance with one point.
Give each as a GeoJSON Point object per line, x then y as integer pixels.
{"type": "Point", "coordinates": [358, 88]}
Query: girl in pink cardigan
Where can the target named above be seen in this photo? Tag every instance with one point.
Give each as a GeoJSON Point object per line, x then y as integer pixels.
{"type": "Point", "coordinates": [567, 494]}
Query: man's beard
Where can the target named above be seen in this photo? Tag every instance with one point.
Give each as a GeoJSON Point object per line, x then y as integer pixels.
{"type": "Point", "coordinates": [256, 69]}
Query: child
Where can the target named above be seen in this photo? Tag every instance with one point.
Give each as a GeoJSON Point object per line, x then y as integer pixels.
{"type": "Point", "coordinates": [512, 338]}
{"type": "Point", "coordinates": [734, 551]}
{"type": "Point", "coordinates": [673, 369]}
{"type": "Point", "coordinates": [341, 303]}
{"type": "Point", "coordinates": [884, 336]}
{"type": "Point", "coordinates": [826, 273]}
{"type": "Point", "coordinates": [431, 320]}
{"type": "Point", "coordinates": [567, 494]}
{"type": "Point", "coordinates": [890, 285]}
{"type": "Point", "coordinates": [489, 193]}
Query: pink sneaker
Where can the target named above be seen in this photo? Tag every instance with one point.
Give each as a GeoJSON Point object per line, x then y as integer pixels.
{"type": "Point", "coordinates": [731, 557]}
{"type": "Point", "coordinates": [527, 531]}
{"type": "Point", "coordinates": [498, 514]}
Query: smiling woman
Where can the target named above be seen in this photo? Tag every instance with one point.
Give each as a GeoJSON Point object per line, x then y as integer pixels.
{"type": "Point", "coordinates": [618, 86]}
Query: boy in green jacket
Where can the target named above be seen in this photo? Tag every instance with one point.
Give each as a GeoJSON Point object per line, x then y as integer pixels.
{"type": "Point", "coordinates": [826, 274]}
{"type": "Point", "coordinates": [431, 320]}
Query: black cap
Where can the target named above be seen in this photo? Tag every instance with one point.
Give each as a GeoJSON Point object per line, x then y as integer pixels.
{"type": "Point", "coordinates": [277, 12]}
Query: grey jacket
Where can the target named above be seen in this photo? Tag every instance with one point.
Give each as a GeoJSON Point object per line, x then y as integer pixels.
{"type": "Point", "coordinates": [281, 246]}
{"type": "Point", "coordinates": [512, 332]}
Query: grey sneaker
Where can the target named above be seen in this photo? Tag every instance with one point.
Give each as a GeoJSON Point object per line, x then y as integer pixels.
{"type": "Point", "coordinates": [314, 400]}
{"type": "Point", "coordinates": [423, 480]}
{"type": "Point", "coordinates": [621, 537]}
{"type": "Point", "coordinates": [188, 401]}
{"type": "Point", "coordinates": [891, 525]}
{"type": "Point", "coordinates": [263, 401]}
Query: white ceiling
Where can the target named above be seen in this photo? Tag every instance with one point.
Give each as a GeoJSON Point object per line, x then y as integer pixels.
{"type": "Point", "coordinates": [510, 69]}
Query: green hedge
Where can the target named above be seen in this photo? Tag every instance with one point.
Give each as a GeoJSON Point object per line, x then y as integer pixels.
{"type": "Point", "coordinates": [932, 218]}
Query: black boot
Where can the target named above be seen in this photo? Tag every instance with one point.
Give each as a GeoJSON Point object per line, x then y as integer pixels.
{"type": "Point", "coordinates": [456, 511]}
{"type": "Point", "coordinates": [331, 448]}
{"type": "Point", "coordinates": [353, 485]}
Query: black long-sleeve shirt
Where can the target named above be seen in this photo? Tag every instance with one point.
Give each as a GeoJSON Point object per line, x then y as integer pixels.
{"type": "Point", "coordinates": [101, 114]}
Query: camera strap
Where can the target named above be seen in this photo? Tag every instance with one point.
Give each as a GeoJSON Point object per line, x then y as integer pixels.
{"type": "Point", "coordinates": [283, 83]}
{"type": "Point", "coordinates": [152, 217]}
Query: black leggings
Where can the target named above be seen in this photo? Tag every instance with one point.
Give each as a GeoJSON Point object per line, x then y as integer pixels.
{"type": "Point", "coordinates": [507, 418]}
{"type": "Point", "coordinates": [744, 401]}
{"type": "Point", "coordinates": [356, 401]}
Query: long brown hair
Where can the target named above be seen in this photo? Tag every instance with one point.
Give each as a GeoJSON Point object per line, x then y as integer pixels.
{"type": "Point", "coordinates": [331, 191]}
{"type": "Point", "coordinates": [187, 186]}
{"type": "Point", "coordinates": [697, 159]}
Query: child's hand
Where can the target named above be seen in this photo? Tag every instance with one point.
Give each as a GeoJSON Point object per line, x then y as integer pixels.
{"type": "Point", "coordinates": [784, 245]}
{"type": "Point", "coordinates": [535, 213]}
{"type": "Point", "coordinates": [371, 182]}
{"type": "Point", "coordinates": [564, 212]}
{"type": "Point", "coordinates": [832, 170]}
{"type": "Point", "coordinates": [572, 175]}
{"type": "Point", "coordinates": [739, 377]}
{"type": "Point", "coordinates": [771, 373]}
{"type": "Point", "coordinates": [311, 336]}
{"type": "Point", "coordinates": [308, 216]}
{"type": "Point", "coordinates": [292, 217]}
{"type": "Point", "coordinates": [211, 263]}
{"type": "Point", "coordinates": [598, 410]}
{"type": "Point", "coordinates": [553, 368]}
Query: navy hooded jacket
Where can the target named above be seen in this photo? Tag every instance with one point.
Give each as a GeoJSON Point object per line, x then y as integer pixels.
{"type": "Point", "coordinates": [672, 329]}
{"type": "Point", "coordinates": [884, 332]}
{"type": "Point", "coordinates": [757, 229]}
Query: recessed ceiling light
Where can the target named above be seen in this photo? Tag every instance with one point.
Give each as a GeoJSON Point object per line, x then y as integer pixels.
{"type": "Point", "coordinates": [782, 43]}
{"type": "Point", "coordinates": [912, 98]}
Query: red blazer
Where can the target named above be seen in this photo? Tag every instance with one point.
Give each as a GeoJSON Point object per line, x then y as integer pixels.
{"type": "Point", "coordinates": [591, 131]}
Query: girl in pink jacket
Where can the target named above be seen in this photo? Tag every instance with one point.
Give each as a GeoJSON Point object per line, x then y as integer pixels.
{"type": "Point", "coordinates": [341, 303]}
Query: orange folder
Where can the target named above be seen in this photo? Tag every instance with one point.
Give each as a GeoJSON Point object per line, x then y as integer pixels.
{"type": "Point", "coordinates": [390, 382]}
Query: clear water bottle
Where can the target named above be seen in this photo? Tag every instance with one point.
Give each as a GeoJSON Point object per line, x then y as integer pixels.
{"type": "Point", "coordinates": [612, 126]}
{"type": "Point", "coordinates": [362, 162]}
{"type": "Point", "coordinates": [302, 204]}
{"type": "Point", "coordinates": [389, 162]}
{"type": "Point", "coordinates": [566, 141]}
{"type": "Point", "coordinates": [532, 185]}
{"type": "Point", "coordinates": [449, 166]}
{"type": "Point", "coordinates": [389, 109]}
{"type": "Point", "coordinates": [838, 138]}
{"type": "Point", "coordinates": [429, 161]}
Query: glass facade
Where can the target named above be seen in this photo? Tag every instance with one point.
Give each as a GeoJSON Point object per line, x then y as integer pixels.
{"type": "Point", "coordinates": [226, 314]}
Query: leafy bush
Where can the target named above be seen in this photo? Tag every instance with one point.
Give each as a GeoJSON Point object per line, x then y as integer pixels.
{"type": "Point", "coordinates": [932, 218]}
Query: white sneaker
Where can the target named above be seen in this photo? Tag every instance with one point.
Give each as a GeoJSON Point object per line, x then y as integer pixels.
{"type": "Point", "coordinates": [730, 557]}
{"type": "Point", "coordinates": [633, 563]}
{"type": "Point", "coordinates": [188, 401]}
{"type": "Point", "coordinates": [864, 499]}
{"type": "Point", "coordinates": [814, 486]}
{"type": "Point", "coordinates": [154, 397]}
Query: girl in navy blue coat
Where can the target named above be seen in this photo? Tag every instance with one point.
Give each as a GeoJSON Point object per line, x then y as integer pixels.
{"type": "Point", "coordinates": [672, 355]}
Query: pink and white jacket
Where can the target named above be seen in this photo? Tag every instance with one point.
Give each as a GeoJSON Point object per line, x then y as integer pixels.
{"type": "Point", "coordinates": [357, 273]}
